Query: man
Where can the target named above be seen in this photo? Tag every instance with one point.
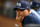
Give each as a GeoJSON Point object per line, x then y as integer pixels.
{"type": "Point", "coordinates": [24, 15]}
{"type": "Point", "coordinates": [34, 8]}
{"type": "Point", "coordinates": [35, 5]}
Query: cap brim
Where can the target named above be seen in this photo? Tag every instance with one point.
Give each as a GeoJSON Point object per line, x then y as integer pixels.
{"type": "Point", "coordinates": [15, 8]}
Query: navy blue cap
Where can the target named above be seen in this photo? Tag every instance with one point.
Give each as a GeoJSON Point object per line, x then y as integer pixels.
{"type": "Point", "coordinates": [22, 5]}
{"type": "Point", "coordinates": [35, 4]}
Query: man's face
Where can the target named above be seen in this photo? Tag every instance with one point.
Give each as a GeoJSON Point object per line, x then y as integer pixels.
{"type": "Point", "coordinates": [21, 12]}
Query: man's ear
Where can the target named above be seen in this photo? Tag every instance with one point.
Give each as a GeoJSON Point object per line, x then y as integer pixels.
{"type": "Point", "coordinates": [29, 11]}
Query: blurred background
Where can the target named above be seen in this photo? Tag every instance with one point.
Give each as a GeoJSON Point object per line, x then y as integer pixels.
{"type": "Point", "coordinates": [7, 11]}
{"type": "Point", "coordinates": [7, 7]}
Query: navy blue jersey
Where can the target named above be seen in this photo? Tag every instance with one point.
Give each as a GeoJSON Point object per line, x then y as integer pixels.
{"type": "Point", "coordinates": [30, 19]}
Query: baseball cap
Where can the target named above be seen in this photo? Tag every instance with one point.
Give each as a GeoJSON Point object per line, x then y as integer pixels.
{"type": "Point", "coordinates": [22, 5]}
{"type": "Point", "coordinates": [35, 4]}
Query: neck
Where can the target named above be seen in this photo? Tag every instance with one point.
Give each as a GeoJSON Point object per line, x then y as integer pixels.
{"type": "Point", "coordinates": [28, 13]}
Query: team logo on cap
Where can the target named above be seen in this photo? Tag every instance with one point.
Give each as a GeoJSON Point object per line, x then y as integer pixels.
{"type": "Point", "coordinates": [37, 5]}
{"type": "Point", "coordinates": [18, 4]}
{"type": "Point", "coordinates": [27, 7]}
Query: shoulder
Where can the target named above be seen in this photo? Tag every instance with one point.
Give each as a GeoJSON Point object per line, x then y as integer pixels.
{"type": "Point", "coordinates": [30, 19]}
